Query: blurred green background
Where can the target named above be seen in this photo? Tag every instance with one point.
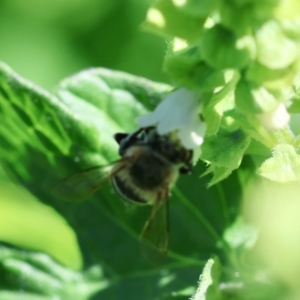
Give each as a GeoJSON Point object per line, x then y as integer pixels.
{"type": "Point", "coordinates": [48, 40]}
{"type": "Point", "coordinates": [45, 42]}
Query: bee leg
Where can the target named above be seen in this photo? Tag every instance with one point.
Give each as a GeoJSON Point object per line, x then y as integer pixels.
{"type": "Point", "coordinates": [155, 235]}
{"type": "Point", "coordinates": [166, 194]}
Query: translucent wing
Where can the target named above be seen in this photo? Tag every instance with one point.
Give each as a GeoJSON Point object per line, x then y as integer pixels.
{"type": "Point", "coordinates": [82, 185]}
{"type": "Point", "coordinates": [155, 235]}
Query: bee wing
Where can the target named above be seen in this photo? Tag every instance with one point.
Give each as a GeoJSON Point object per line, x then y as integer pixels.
{"type": "Point", "coordinates": [82, 185]}
{"type": "Point", "coordinates": [155, 235]}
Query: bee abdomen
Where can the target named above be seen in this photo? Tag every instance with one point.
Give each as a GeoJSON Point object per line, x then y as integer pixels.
{"type": "Point", "coordinates": [126, 191]}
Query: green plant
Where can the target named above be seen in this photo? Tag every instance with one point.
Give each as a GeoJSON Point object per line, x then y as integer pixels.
{"type": "Point", "coordinates": [235, 70]}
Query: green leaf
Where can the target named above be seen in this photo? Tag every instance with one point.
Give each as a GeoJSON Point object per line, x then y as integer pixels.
{"type": "Point", "coordinates": [222, 49]}
{"type": "Point", "coordinates": [208, 287]}
{"type": "Point", "coordinates": [217, 104]}
{"type": "Point", "coordinates": [257, 149]}
{"type": "Point", "coordinates": [107, 230]}
{"type": "Point", "coordinates": [283, 166]}
{"type": "Point", "coordinates": [219, 174]}
{"type": "Point", "coordinates": [288, 10]}
{"type": "Point", "coordinates": [240, 234]}
{"type": "Point", "coordinates": [187, 68]}
{"type": "Point", "coordinates": [102, 87]}
{"type": "Point", "coordinates": [69, 124]}
{"type": "Point", "coordinates": [41, 132]}
{"type": "Point", "coordinates": [19, 209]}
{"type": "Point", "coordinates": [225, 149]}
{"type": "Point", "coordinates": [274, 49]}
{"type": "Point", "coordinates": [251, 98]}
{"type": "Point", "coordinates": [197, 8]}
{"type": "Point", "coordinates": [242, 15]}
{"type": "Point", "coordinates": [291, 28]}
{"type": "Point", "coordinates": [165, 18]}
{"type": "Point", "coordinates": [45, 278]}
{"type": "Point", "coordinates": [213, 122]}
{"type": "Point", "coordinates": [11, 295]}
{"type": "Point", "coordinates": [220, 103]}
{"type": "Point", "coordinates": [270, 78]}
{"type": "Point", "coordinates": [295, 99]}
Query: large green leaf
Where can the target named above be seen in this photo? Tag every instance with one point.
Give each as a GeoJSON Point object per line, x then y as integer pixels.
{"type": "Point", "coordinates": [28, 223]}
{"type": "Point", "coordinates": [48, 136]}
{"type": "Point", "coordinates": [43, 277]}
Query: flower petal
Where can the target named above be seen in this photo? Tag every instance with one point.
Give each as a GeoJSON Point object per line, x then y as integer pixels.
{"type": "Point", "coordinates": [179, 111]}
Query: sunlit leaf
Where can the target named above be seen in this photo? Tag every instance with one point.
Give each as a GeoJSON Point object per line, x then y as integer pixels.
{"type": "Point", "coordinates": [283, 166]}
{"type": "Point", "coordinates": [43, 278]}
{"type": "Point", "coordinates": [222, 49]}
{"type": "Point", "coordinates": [164, 17]}
{"type": "Point", "coordinates": [274, 49]}
{"type": "Point", "coordinates": [25, 222]}
{"type": "Point", "coordinates": [225, 149]}
{"type": "Point", "coordinates": [208, 286]}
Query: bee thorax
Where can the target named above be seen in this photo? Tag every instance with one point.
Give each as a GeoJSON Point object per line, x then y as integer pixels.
{"type": "Point", "coordinates": [149, 172]}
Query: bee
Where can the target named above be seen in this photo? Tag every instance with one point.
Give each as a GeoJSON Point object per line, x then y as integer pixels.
{"type": "Point", "coordinates": [148, 167]}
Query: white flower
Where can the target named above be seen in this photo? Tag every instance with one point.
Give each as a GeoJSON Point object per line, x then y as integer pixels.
{"type": "Point", "coordinates": [276, 119]}
{"type": "Point", "coordinates": [179, 111]}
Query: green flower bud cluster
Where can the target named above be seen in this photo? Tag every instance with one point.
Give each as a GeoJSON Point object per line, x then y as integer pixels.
{"type": "Point", "coordinates": [244, 58]}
